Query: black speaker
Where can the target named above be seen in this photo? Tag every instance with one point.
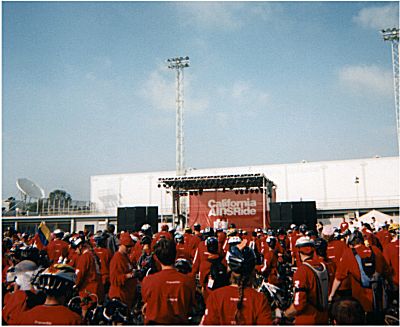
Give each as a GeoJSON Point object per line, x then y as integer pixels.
{"type": "Point", "coordinates": [283, 214]}
{"type": "Point", "coordinates": [133, 218]}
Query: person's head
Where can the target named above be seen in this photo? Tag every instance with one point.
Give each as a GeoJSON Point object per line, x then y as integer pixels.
{"type": "Point", "coordinates": [321, 247]}
{"type": "Point", "coordinates": [208, 231]}
{"type": "Point", "coordinates": [184, 266]}
{"type": "Point", "coordinates": [305, 246]}
{"type": "Point", "coordinates": [57, 282]}
{"type": "Point", "coordinates": [58, 234]}
{"type": "Point", "coordinates": [373, 219]}
{"type": "Point", "coordinates": [24, 273]}
{"type": "Point", "coordinates": [271, 241]}
{"type": "Point", "coordinates": [197, 227]}
{"type": "Point", "coordinates": [355, 238]}
{"type": "Point", "coordinates": [303, 229]}
{"type": "Point", "coordinates": [347, 311]}
{"type": "Point", "coordinates": [77, 243]}
{"type": "Point", "coordinates": [165, 251]}
{"type": "Point", "coordinates": [111, 228]}
{"type": "Point", "coordinates": [125, 243]}
{"type": "Point", "coordinates": [164, 228]}
{"type": "Point", "coordinates": [146, 230]}
{"type": "Point", "coordinates": [178, 237]}
{"type": "Point", "coordinates": [212, 245]}
{"type": "Point", "coordinates": [188, 230]}
{"type": "Point", "coordinates": [100, 239]}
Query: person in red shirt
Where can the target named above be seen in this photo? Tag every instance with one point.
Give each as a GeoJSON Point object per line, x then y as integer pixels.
{"type": "Point", "coordinates": [348, 266]}
{"type": "Point", "coordinates": [391, 254]}
{"type": "Point", "coordinates": [183, 250]}
{"type": "Point", "coordinates": [105, 255]}
{"type": "Point", "coordinates": [192, 241]}
{"type": "Point", "coordinates": [308, 305]}
{"type": "Point", "coordinates": [238, 303]}
{"type": "Point", "coordinates": [168, 295]}
{"type": "Point", "coordinates": [88, 277]}
{"type": "Point", "coordinates": [57, 248]}
{"type": "Point", "coordinates": [383, 235]}
{"type": "Point", "coordinates": [24, 297]}
{"type": "Point", "coordinates": [56, 282]}
{"type": "Point", "coordinates": [270, 266]}
{"type": "Point", "coordinates": [201, 252]}
{"type": "Point", "coordinates": [344, 225]}
{"type": "Point", "coordinates": [123, 283]}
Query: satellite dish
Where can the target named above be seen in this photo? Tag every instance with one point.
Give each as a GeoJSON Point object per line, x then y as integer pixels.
{"type": "Point", "coordinates": [29, 188]}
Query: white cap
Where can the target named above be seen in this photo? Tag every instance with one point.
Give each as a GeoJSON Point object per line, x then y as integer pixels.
{"type": "Point", "coordinates": [292, 226]}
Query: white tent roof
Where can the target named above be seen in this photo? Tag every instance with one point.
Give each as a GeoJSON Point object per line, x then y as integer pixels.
{"type": "Point", "coordinates": [380, 217]}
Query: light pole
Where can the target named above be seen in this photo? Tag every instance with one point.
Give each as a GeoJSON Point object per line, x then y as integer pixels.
{"type": "Point", "coordinates": [178, 64]}
{"type": "Point", "coordinates": [392, 35]}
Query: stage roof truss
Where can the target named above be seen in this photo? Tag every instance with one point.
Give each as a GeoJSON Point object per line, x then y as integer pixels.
{"type": "Point", "coordinates": [232, 182]}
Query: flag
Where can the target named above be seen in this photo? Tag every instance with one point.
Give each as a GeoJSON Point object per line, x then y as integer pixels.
{"type": "Point", "coordinates": [44, 233]}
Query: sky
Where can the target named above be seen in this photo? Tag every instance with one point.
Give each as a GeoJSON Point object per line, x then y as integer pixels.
{"type": "Point", "coordinates": [86, 89]}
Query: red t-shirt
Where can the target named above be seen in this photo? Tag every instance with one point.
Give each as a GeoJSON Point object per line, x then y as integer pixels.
{"type": "Point", "coordinates": [49, 315]}
{"type": "Point", "coordinates": [348, 267]}
{"type": "Point", "coordinates": [306, 296]}
{"type": "Point", "coordinates": [391, 254]}
{"type": "Point", "coordinates": [335, 250]}
{"type": "Point", "coordinates": [14, 305]}
{"type": "Point", "coordinates": [57, 249]}
{"type": "Point", "coordinates": [105, 256]}
{"type": "Point", "coordinates": [199, 257]}
{"type": "Point", "coordinates": [344, 226]}
{"type": "Point", "coordinates": [169, 296]}
{"type": "Point", "coordinates": [121, 287]}
{"type": "Point", "coordinates": [192, 241]}
{"type": "Point", "coordinates": [222, 305]}
{"type": "Point", "coordinates": [384, 237]}
{"type": "Point", "coordinates": [183, 251]}
{"type": "Point", "coordinates": [88, 279]}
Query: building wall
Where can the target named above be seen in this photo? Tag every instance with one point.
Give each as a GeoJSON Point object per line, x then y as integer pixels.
{"type": "Point", "coordinates": [330, 183]}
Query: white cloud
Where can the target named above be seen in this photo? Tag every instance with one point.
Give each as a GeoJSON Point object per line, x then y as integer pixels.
{"type": "Point", "coordinates": [159, 91]}
{"type": "Point", "coordinates": [378, 17]}
{"type": "Point", "coordinates": [367, 80]}
{"type": "Point", "coordinates": [223, 15]}
{"type": "Point", "coordinates": [210, 14]}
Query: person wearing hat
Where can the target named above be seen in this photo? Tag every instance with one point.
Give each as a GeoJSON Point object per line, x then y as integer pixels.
{"type": "Point", "coordinates": [310, 292]}
{"type": "Point", "coordinates": [372, 261]}
{"type": "Point", "coordinates": [24, 297]}
{"type": "Point", "coordinates": [122, 281]}
{"type": "Point", "coordinates": [238, 303]}
{"type": "Point", "coordinates": [88, 275]}
{"type": "Point", "coordinates": [105, 255]}
{"type": "Point", "coordinates": [57, 247]}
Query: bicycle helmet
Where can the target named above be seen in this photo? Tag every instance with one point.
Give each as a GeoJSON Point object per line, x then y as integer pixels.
{"type": "Point", "coordinates": [281, 231]}
{"type": "Point", "coordinates": [184, 266]}
{"type": "Point", "coordinates": [76, 241]}
{"type": "Point", "coordinates": [304, 241]}
{"type": "Point", "coordinates": [242, 261]}
{"type": "Point", "coordinates": [116, 312]}
{"type": "Point", "coordinates": [208, 231]}
{"type": "Point", "coordinates": [197, 227]}
{"type": "Point", "coordinates": [58, 233]}
{"type": "Point", "coordinates": [146, 230]}
{"type": "Point", "coordinates": [212, 244]}
{"type": "Point", "coordinates": [56, 280]}
{"type": "Point", "coordinates": [179, 238]}
{"type": "Point", "coordinates": [321, 246]}
{"type": "Point", "coordinates": [234, 240]}
{"type": "Point", "coordinates": [100, 239]}
{"type": "Point", "coordinates": [310, 233]}
{"type": "Point", "coordinates": [303, 228]}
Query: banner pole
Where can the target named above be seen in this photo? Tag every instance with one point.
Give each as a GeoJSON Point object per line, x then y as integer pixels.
{"type": "Point", "coordinates": [264, 222]}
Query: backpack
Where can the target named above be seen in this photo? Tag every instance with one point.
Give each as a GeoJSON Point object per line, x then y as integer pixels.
{"type": "Point", "coordinates": [218, 275]}
{"type": "Point", "coordinates": [370, 278]}
{"type": "Point", "coordinates": [322, 280]}
{"type": "Point", "coordinates": [367, 268]}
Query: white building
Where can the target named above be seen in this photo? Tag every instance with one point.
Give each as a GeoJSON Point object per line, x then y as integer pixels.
{"type": "Point", "coordinates": [336, 186]}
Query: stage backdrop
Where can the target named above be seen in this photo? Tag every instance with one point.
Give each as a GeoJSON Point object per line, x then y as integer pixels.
{"type": "Point", "coordinates": [245, 210]}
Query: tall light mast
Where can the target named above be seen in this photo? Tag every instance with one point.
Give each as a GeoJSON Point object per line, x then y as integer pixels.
{"type": "Point", "coordinates": [392, 35]}
{"type": "Point", "coordinates": [178, 64]}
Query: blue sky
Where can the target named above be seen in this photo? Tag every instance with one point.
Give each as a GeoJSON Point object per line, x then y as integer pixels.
{"type": "Point", "coordinates": [86, 90]}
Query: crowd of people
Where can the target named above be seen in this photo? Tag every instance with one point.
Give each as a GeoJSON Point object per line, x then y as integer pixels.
{"type": "Point", "coordinates": [305, 275]}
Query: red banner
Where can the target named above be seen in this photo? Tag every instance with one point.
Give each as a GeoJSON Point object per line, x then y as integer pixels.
{"type": "Point", "coordinates": [244, 210]}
